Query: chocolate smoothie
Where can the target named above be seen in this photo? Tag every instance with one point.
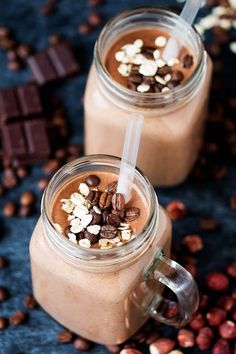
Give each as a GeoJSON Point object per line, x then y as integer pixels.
{"type": "Point", "coordinates": [129, 75]}
{"type": "Point", "coordinates": [94, 282]}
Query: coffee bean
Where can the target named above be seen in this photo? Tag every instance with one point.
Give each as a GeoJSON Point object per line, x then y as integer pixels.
{"type": "Point", "coordinates": [95, 2]}
{"type": "Point", "coordinates": [23, 51]}
{"type": "Point", "coordinates": [4, 32]}
{"type": "Point", "coordinates": [9, 209]}
{"type": "Point", "coordinates": [54, 39]}
{"type": "Point", "coordinates": [60, 154]}
{"type": "Point", "coordinates": [27, 198]}
{"type": "Point", "coordinates": [91, 237]}
{"type": "Point", "coordinates": [3, 323]}
{"type": "Point", "coordinates": [30, 302]}
{"type": "Point", "coordinates": [187, 61]}
{"type": "Point", "coordinates": [51, 166]}
{"type": "Point", "coordinates": [2, 190]}
{"type": "Point", "coordinates": [94, 19]}
{"type": "Point", "coordinates": [84, 28]}
{"type": "Point", "coordinates": [164, 70]}
{"type": "Point", "coordinates": [82, 344]}
{"type": "Point", "coordinates": [7, 43]}
{"type": "Point", "coordinates": [157, 88]}
{"type": "Point", "coordinates": [108, 231]}
{"type": "Point", "coordinates": [65, 337]}
{"type": "Point", "coordinates": [120, 213]}
{"type": "Point", "coordinates": [148, 80]}
{"type": "Point", "coordinates": [92, 180]}
{"type": "Point", "coordinates": [132, 86]}
{"type": "Point", "coordinates": [11, 55]}
{"type": "Point", "coordinates": [47, 10]}
{"type": "Point", "coordinates": [18, 318]}
{"type": "Point", "coordinates": [74, 149]}
{"type": "Point", "coordinates": [9, 178]}
{"type": "Point", "coordinates": [93, 197]}
{"type": "Point", "coordinates": [113, 219]}
{"type": "Point", "coordinates": [148, 52]}
{"type": "Point", "coordinates": [105, 201]}
{"type": "Point", "coordinates": [104, 216]}
{"type": "Point", "coordinates": [25, 210]}
{"type": "Point", "coordinates": [97, 218]}
{"type": "Point", "coordinates": [208, 224]}
{"type": "Point", "coordinates": [111, 187]}
{"type": "Point", "coordinates": [42, 183]}
{"type": "Point", "coordinates": [80, 236]}
{"type": "Point", "coordinates": [3, 263]}
{"type": "Point", "coordinates": [135, 78]}
{"type": "Point", "coordinates": [131, 214]}
{"type": "Point", "coordinates": [21, 172]}
{"type": "Point", "coordinates": [3, 294]}
{"type": "Point", "coordinates": [14, 65]}
{"type": "Point", "coordinates": [172, 84]}
{"type": "Point", "coordinates": [118, 201]}
{"type": "Point", "coordinates": [177, 75]}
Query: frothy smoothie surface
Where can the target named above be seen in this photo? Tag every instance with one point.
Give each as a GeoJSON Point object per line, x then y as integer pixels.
{"type": "Point", "coordinates": [88, 211]}
{"type": "Point", "coordinates": [135, 61]}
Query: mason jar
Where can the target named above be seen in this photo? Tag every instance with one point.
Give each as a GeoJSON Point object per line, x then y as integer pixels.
{"type": "Point", "coordinates": [107, 295]}
{"type": "Point", "coordinates": [174, 121]}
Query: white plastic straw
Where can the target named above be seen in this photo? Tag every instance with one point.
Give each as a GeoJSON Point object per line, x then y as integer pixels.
{"type": "Point", "coordinates": [188, 14]}
{"type": "Point", "coordinates": [130, 153]}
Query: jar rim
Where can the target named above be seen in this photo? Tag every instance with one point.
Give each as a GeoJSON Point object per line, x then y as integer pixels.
{"type": "Point", "coordinates": [93, 254]}
{"type": "Point", "coordinates": [187, 85]}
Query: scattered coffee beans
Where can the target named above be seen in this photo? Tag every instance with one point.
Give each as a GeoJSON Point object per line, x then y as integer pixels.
{"type": "Point", "coordinates": [18, 318]}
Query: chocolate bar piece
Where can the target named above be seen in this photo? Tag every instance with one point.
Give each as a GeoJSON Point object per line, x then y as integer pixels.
{"type": "Point", "coordinates": [26, 142]}
{"type": "Point", "coordinates": [29, 99]}
{"type": "Point", "coordinates": [55, 62]}
{"type": "Point", "coordinates": [63, 60]}
{"type": "Point", "coordinates": [17, 103]}
{"type": "Point", "coordinates": [9, 108]}
{"type": "Point", "coordinates": [42, 68]}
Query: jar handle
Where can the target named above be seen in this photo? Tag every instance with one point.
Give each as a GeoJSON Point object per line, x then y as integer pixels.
{"type": "Point", "coordinates": [181, 282]}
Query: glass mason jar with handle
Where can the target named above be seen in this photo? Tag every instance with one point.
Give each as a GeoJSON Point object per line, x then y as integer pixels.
{"type": "Point", "coordinates": [174, 121]}
{"type": "Point", "coordinates": [107, 295]}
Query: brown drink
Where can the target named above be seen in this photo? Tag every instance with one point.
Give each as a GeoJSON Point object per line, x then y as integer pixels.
{"type": "Point", "coordinates": [104, 291]}
{"type": "Point", "coordinates": [128, 74]}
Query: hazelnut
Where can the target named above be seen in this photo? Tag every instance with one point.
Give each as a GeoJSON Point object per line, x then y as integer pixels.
{"type": "Point", "coordinates": [130, 351]}
{"type": "Point", "coordinates": [226, 303]}
{"type": "Point", "coordinates": [204, 338]}
{"type": "Point", "coordinates": [216, 316]}
{"type": "Point", "coordinates": [217, 282]}
{"type": "Point", "coordinates": [162, 346]}
{"type": "Point", "coordinates": [231, 269]}
{"type": "Point", "coordinates": [186, 338]}
{"type": "Point", "coordinates": [197, 322]}
{"type": "Point", "coordinates": [176, 210]}
{"type": "Point", "coordinates": [227, 330]}
{"type": "Point", "coordinates": [203, 301]}
{"type": "Point", "coordinates": [193, 243]}
{"type": "Point", "coordinates": [221, 347]}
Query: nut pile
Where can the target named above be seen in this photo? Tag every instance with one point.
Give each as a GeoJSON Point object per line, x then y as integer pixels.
{"type": "Point", "coordinates": [98, 217]}
{"type": "Point", "coordinates": [145, 68]}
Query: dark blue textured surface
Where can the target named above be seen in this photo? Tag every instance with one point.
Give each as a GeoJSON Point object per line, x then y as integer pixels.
{"type": "Point", "coordinates": [38, 334]}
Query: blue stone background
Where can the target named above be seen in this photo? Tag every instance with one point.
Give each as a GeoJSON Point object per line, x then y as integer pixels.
{"type": "Point", "coordinates": [211, 198]}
